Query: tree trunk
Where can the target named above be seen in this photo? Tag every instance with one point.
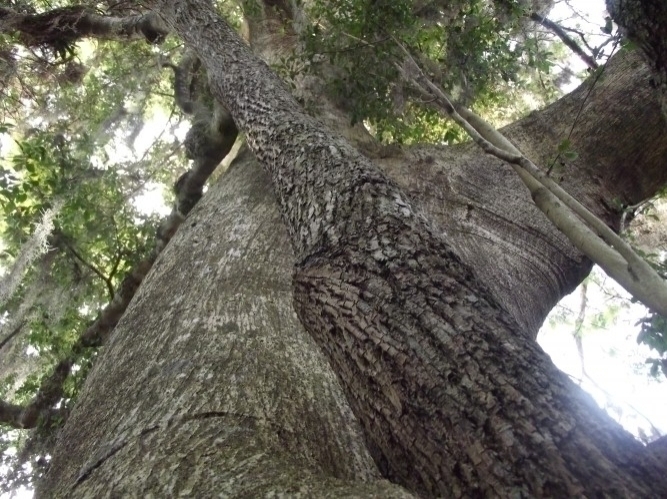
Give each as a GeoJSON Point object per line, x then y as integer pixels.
{"type": "Point", "coordinates": [487, 215]}
{"type": "Point", "coordinates": [644, 23]}
{"type": "Point", "coordinates": [210, 385]}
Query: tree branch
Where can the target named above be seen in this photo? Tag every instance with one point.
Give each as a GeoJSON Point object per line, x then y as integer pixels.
{"type": "Point", "coordinates": [60, 28]}
{"type": "Point", "coordinates": [11, 335]}
{"type": "Point", "coordinates": [93, 268]}
{"type": "Point", "coordinates": [644, 22]}
{"type": "Point", "coordinates": [567, 40]}
{"type": "Point", "coordinates": [10, 414]}
{"type": "Point", "coordinates": [215, 133]}
{"type": "Point", "coordinates": [595, 240]}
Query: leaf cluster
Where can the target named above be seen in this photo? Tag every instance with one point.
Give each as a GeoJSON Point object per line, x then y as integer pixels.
{"type": "Point", "coordinates": [478, 51]}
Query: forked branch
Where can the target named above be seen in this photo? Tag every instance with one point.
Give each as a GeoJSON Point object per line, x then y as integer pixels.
{"type": "Point", "coordinates": [585, 230]}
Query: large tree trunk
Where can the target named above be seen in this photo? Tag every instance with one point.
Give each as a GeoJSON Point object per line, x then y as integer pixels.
{"type": "Point", "coordinates": [210, 385]}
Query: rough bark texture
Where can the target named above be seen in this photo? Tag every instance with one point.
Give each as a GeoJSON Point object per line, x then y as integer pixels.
{"type": "Point", "coordinates": [62, 27]}
{"type": "Point", "coordinates": [480, 204]}
{"type": "Point", "coordinates": [210, 386]}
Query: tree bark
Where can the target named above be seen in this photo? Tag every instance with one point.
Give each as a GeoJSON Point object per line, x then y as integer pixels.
{"type": "Point", "coordinates": [210, 386]}
{"type": "Point", "coordinates": [644, 22]}
{"type": "Point", "coordinates": [60, 28]}
{"type": "Point", "coordinates": [455, 399]}
{"type": "Point", "coordinates": [478, 202]}
{"type": "Point", "coordinates": [613, 123]}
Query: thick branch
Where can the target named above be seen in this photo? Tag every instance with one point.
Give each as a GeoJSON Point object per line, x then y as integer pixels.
{"type": "Point", "coordinates": [60, 28]}
{"type": "Point", "coordinates": [645, 23]}
{"type": "Point", "coordinates": [183, 76]}
{"type": "Point", "coordinates": [588, 233]}
{"type": "Point", "coordinates": [659, 449]}
{"type": "Point", "coordinates": [615, 126]}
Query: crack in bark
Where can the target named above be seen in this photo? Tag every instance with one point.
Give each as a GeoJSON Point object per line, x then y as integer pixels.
{"type": "Point", "coordinates": [208, 415]}
{"type": "Point", "coordinates": [86, 473]}
{"type": "Point", "coordinates": [118, 445]}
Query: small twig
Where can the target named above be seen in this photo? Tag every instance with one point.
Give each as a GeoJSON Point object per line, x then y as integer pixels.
{"type": "Point", "coordinates": [596, 78]}
{"type": "Point", "coordinates": [631, 209]}
{"type": "Point", "coordinates": [116, 263]}
{"type": "Point", "coordinates": [86, 263]}
{"type": "Point", "coordinates": [578, 325]}
{"type": "Point", "coordinates": [11, 335]}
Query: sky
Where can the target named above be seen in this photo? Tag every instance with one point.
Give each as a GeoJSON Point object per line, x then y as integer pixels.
{"type": "Point", "coordinates": [618, 378]}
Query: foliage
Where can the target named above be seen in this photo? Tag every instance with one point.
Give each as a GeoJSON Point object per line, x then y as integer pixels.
{"type": "Point", "coordinates": [653, 332]}
{"type": "Point", "coordinates": [653, 327]}
{"type": "Point", "coordinates": [73, 132]}
{"type": "Point", "coordinates": [480, 52]}
{"type": "Point", "coordinates": [654, 335]}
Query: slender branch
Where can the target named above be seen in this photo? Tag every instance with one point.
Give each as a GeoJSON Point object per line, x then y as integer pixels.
{"type": "Point", "coordinates": [86, 263]}
{"type": "Point", "coordinates": [578, 324]}
{"type": "Point", "coordinates": [597, 76]}
{"type": "Point", "coordinates": [630, 211]}
{"type": "Point", "coordinates": [114, 267]}
{"type": "Point", "coordinates": [11, 335]}
{"type": "Point", "coordinates": [567, 40]}
{"type": "Point", "coordinates": [579, 33]}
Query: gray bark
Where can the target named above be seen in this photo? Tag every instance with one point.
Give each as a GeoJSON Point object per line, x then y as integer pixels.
{"type": "Point", "coordinates": [487, 215]}
{"type": "Point", "coordinates": [644, 22]}
{"type": "Point", "coordinates": [61, 27]}
{"type": "Point", "coordinates": [389, 302]}
{"type": "Point", "coordinates": [209, 385]}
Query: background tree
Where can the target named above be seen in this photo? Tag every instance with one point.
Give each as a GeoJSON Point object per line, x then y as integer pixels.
{"type": "Point", "coordinates": [222, 376]}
